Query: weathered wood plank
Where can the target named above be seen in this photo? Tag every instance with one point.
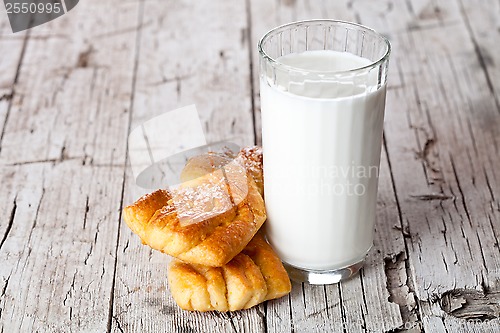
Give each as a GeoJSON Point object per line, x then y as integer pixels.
{"type": "Point", "coordinates": [367, 301]}
{"type": "Point", "coordinates": [58, 258]}
{"type": "Point", "coordinates": [12, 47]}
{"type": "Point", "coordinates": [482, 20]}
{"type": "Point", "coordinates": [202, 62]}
{"type": "Point", "coordinates": [181, 62]}
{"type": "Point", "coordinates": [442, 133]}
{"type": "Point", "coordinates": [53, 113]}
{"type": "Point", "coordinates": [62, 164]}
{"type": "Point", "coordinates": [63, 151]}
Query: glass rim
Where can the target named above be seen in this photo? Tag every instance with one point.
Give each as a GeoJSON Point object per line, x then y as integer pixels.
{"type": "Point", "coordinates": [372, 64]}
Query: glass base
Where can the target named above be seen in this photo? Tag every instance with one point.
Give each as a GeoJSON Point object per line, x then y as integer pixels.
{"type": "Point", "coordinates": [323, 277]}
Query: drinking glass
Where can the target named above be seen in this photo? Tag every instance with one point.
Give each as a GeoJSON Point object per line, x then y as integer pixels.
{"type": "Point", "coordinates": [323, 87]}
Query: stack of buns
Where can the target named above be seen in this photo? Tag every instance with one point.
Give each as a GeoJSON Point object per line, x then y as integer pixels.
{"type": "Point", "coordinates": [210, 225]}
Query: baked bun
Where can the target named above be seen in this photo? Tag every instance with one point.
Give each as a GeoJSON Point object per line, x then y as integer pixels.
{"type": "Point", "coordinates": [253, 276]}
{"type": "Point", "coordinates": [208, 219]}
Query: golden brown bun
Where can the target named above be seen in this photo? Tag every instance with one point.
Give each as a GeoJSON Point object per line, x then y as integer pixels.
{"type": "Point", "coordinates": [208, 220]}
{"type": "Point", "coordinates": [143, 209]}
{"type": "Point", "coordinates": [253, 276]}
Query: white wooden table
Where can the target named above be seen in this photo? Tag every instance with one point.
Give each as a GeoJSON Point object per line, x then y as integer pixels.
{"type": "Point", "coordinates": [72, 89]}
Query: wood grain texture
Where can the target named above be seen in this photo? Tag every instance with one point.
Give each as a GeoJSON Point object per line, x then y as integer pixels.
{"type": "Point", "coordinates": [181, 62]}
{"type": "Point", "coordinates": [71, 91]}
{"type": "Point", "coordinates": [62, 162]}
{"type": "Point", "coordinates": [365, 302]}
{"type": "Point", "coordinates": [12, 47]}
{"type": "Point", "coordinates": [442, 132]}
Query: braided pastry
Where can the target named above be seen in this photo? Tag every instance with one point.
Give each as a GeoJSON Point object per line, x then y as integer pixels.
{"type": "Point", "coordinates": [253, 276]}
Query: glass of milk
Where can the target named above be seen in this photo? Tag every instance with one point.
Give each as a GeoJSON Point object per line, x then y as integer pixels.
{"type": "Point", "coordinates": [322, 88]}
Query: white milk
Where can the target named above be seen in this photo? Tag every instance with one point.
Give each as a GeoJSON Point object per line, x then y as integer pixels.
{"type": "Point", "coordinates": [321, 159]}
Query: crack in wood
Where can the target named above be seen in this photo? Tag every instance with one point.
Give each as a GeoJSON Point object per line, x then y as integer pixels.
{"type": "Point", "coordinates": [4, 289]}
{"type": "Point", "coordinates": [84, 57]}
{"type": "Point", "coordinates": [54, 161]}
{"type": "Point", "coordinates": [488, 184]}
{"type": "Point", "coordinates": [327, 308]}
{"type": "Point", "coordinates": [60, 87]}
{"type": "Point", "coordinates": [87, 208]}
{"type": "Point", "coordinates": [364, 309]}
{"type": "Point", "coordinates": [444, 262]}
{"type": "Point", "coordinates": [429, 143]}
{"type": "Point", "coordinates": [444, 325]}
{"type": "Point", "coordinates": [432, 173]}
{"type": "Point", "coordinates": [71, 288]}
{"type": "Point", "coordinates": [6, 97]}
{"type": "Point", "coordinates": [443, 232]}
{"type": "Point", "coordinates": [118, 325]}
{"type": "Point", "coordinates": [400, 293]}
{"type": "Point", "coordinates": [468, 245]}
{"type": "Point", "coordinates": [177, 79]}
{"type": "Point", "coordinates": [455, 262]}
{"type": "Point", "coordinates": [126, 246]}
{"type": "Point", "coordinates": [233, 325]}
{"type": "Point", "coordinates": [497, 244]}
{"type": "Point", "coordinates": [432, 196]}
{"type": "Point", "coordinates": [464, 204]}
{"type": "Point", "coordinates": [409, 307]}
{"type": "Point", "coordinates": [37, 212]}
{"type": "Point", "coordinates": [342, 308]}
{"type": "Point", "coordinates": [482, 253]}
{"type": "Point", "coordinates": [124, 30]}
{"type": "Point", "coordinates": [404, 231]}
{"type": "Point", "coordinates": [303, 295]}
{"type": "Point", "coordinates": [473, 139]}
{"type": "Point", "coordinates": [11, 222]}
{"type": "Point", "coordinates": [263, 316]}
{"type": "Point", "coordinates": [87, 256]}
{"type": "Point", "coordinates": [292, 325]}
{"type": "Point", "coordinates": [471, 304]}
{"type": "Point", "coordinates": [318, 312]}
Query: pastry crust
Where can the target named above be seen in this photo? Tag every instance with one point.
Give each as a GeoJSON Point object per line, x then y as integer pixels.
{"type": "Point", "coordinates": [208, 220]}
{"type": "Point", "coordinates": [270, 265]}
{"type": "Point", "coordinates": [143, 209]}
{"type": "Point", "coordinates": [253, 276]}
